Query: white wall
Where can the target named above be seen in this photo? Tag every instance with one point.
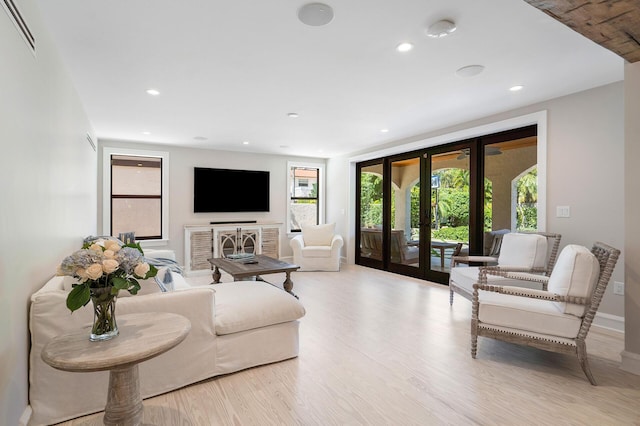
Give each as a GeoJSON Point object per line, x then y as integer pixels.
{"type": "Point", "coordinates": [631, 354]}
{"type": "Point", "coordinates": [48, 173]}
{"type": "Point", "coordinates": [183, 160]}
{"type": "Point", "coordinates": [585, 170]}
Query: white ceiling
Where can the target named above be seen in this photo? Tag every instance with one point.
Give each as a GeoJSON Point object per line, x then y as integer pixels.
{"type": "Point", "coordinates": [230, 71]}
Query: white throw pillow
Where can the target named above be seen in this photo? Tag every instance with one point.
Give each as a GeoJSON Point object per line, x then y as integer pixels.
{"type": "Point", "coordinates": [575, 274]}
{"type": "Point", "coordinates": [523, 251]}
{"type": "Point", "coordinates": [318, 235]}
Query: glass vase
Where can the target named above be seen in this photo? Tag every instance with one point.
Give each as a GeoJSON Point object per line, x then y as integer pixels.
{"type": "Point", "coordinates": [104, 314]}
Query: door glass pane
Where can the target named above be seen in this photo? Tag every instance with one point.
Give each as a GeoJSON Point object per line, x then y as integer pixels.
{"type": "Point", "coordinates": [449, 207]}
{"type": "Point", "coordinates": [510, 187]}
{"type": "Point", "coordinates": [405, 212]}
{"type": "Point", "coordinates": [371, 204]}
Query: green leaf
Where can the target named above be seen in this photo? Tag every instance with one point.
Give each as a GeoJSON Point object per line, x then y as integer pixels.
{"type": "Point", "coordinates": [153, 271]}
{"type": "Point", "coordinates": [78, 297]}
{"type": "Point", "coordinates": [135, 287]}
{"type": "Point", "coordinates": [135, 246]}
{"type": "Point", "coordinates": [120, 283]}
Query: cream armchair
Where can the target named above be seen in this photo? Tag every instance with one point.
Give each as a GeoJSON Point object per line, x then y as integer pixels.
{"type": "Point", "coordinates": [317, 249]}
{"type": "Point", "coordinates": [531, 254]}
{"type": "Point", "coordinates": [556, 320]}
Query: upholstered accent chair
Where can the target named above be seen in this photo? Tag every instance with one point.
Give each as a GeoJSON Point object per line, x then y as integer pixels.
{"type": "Point", "coordinates": [318, 248]}
{"type": "Point", "coordinates": [526, 255]}
{"type": "Point", "coordinates": [557, 319]}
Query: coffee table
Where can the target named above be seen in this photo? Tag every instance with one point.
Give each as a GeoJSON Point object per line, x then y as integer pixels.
{"type": "Point", "coordinates": [260, 265]}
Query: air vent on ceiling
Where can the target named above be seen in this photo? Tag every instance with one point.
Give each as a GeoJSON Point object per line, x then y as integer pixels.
{"type": "Point", "coordinates": [91, 142]}
{"type": "Point", "coordinates": [21, 25]}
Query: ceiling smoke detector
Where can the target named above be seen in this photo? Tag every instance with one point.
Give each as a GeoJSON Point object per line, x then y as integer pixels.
{"type": "Point", "coordinates": [441, 28]}
{"type": "Point", "coordinates": [315, 14]}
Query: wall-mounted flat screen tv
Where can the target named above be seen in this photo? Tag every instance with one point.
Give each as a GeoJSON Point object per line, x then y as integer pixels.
{"type": "Point", "coordinates": [227, 190]}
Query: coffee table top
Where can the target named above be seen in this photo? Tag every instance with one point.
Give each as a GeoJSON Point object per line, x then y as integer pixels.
{"type": "Point", "coordinates": [265, 265]}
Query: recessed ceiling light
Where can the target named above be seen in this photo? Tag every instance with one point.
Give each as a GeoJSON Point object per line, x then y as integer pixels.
{"type": "Point", "coordinates": [293, 115]}
{"type": "Point", "coordinates": [245, 143]}
{"type": "Point", "coordinates": [146, 133]}
{"type": "Point", "coordinates": [153, 92]}
{"type": "Point", "coordinates": [441, 28]}
{"type": "Point", "coordinates": [469, 70]}
{"type": "Point", "coordinates": [516, 88]}
{"type": "Point", "coordinates": [200, 138]}
{"type": "Point", "coordinates": [315, 14]}
{"type": "Point", "coordinates": [404, 47]}
{"type": "Point", "coordinates": [284, 146]}
{"type": "Point", "coordinates": [384, 130]}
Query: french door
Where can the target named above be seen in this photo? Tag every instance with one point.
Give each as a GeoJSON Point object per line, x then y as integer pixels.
{"type": "Point", "coordinates": [416, 210]}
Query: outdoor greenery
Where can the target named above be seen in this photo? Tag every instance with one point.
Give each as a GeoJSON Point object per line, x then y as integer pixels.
{"type": "Point", "coordinates": [450, 203]}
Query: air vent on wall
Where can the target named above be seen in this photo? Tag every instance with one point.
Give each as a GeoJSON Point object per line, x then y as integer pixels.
{"type": "Point", "coordinates": [21, 25]}
{"type": "Point", "coordinates": [91, 142]}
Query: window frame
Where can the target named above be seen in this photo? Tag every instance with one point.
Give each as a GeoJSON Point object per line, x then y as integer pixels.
{"type": "Point", "coordinates": [320, 193]}
{"type": "Point", "coordinates": [107, 152]}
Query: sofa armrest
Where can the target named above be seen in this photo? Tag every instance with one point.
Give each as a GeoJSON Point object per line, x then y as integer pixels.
{"type": "Point", "coordinates": [297, 243]}
{"type": "Point", "coordinates": [337, 242]}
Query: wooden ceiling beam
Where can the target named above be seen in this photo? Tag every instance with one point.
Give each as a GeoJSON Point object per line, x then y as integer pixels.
{"type": "Point", "coordinates": [613, 24]}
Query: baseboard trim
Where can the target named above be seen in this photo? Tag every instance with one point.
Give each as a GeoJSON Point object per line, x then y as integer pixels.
{"type": "Point", "coordinates": [26, 416]}
{"type": "Point", "coordinates": [630, 362]}
{"type": "Point", "coordinates": [608, 324]}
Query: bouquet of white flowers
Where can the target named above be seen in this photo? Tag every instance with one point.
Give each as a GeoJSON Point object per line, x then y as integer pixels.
{"type": "Point", "coordinates": [105, 264]}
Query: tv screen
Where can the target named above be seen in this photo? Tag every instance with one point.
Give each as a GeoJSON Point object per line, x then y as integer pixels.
{"type": "Point", "coordinates": [226, 190]}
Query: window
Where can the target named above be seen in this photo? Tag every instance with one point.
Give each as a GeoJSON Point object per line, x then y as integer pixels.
{"type": "Point", "coordinates": [305, 195]}
{"type": "Point", "coordinates": [135, 197]}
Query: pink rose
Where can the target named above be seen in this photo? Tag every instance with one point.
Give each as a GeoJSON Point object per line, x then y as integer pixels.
{"type": "Point", "coordinates": [109, 254]}
{"type": "Point", "coordinates": [96, 247]}
{"type": "Point", "coordinates": [109, 265]}
{"type": "Point", "coordinates": [112, 245]}
{"type": "Point", "coordinates": [82, 273]}
{"type": "Point", "coordinates": [141, 269]}
{"type": "Point", "coordinates": [94, 271]}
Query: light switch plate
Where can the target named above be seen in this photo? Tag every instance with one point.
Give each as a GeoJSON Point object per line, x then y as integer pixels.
{"type": "Point", "coordinates": [618, 288]}
{"type": "Point", "coordinates": [563, 211]}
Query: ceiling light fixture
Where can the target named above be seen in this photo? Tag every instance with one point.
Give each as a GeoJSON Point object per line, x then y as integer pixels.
{"type": "Point", "coordinates": [384, 130]}
{"type": "Point", "coordinates": [245, 143]}
{"type": "Point", "coordinates": [200, 138]}
{"type": "Point", "coordinates": [469, 71]}
{"type": "Point", "coordinates": [516, 88]}
{"type": "Point", "coordinates": [404, 47]}
{"type": "Point", "coordinates": [146, 133]}
{"type": "Point", "coordinates": [315, 14]}
{"type": "Point", "coordinates": [293, 115]}
{"type": "Point", "coordinates": [153, 92]}
{"type": "Point", "coordinates": [441, 28]}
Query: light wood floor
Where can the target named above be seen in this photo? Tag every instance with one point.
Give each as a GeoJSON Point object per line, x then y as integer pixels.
{"type": "Point", "coordinates": [382, 349]}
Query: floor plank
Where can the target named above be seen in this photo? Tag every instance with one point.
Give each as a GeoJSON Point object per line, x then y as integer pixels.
{"type": "Point", "coordinates": [381, 349]}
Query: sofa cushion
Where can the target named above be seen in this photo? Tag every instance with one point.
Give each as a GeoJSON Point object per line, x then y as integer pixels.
{"type": "Point", "coordinates": [245, 305]}
{"type": "Point", "coordinates": [574, 274]}
{"type": "Point", "coordinates": [316, 251]}
{"type": "Point", "coordinates": [318, 235]}
{"type": "Point", "coordinates": [523, 251]}
{"type": "Point", "coordinates": [523, 313]}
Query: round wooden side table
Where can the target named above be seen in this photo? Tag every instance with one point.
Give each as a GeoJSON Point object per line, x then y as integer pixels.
{"type": "Point", "coordinates": [142, 336]}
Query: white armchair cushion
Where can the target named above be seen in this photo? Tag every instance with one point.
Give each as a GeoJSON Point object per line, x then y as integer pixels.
{"type": "Point", "coordinates": [316, 251]}
{"type": "Point", "coordinates": [574, 274]}
{"type": "Point", "coordinates": [526, 314]}
{"type": "Point", "coordinates": [465, 278]}
{"type": "Point", "coordinates": [523, 251]}
{"type": "Point", "coordinates": [318, 235]}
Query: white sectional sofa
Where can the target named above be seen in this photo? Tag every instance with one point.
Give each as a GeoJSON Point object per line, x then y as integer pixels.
{"type": "Point", "coordinates": [234, 326]}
